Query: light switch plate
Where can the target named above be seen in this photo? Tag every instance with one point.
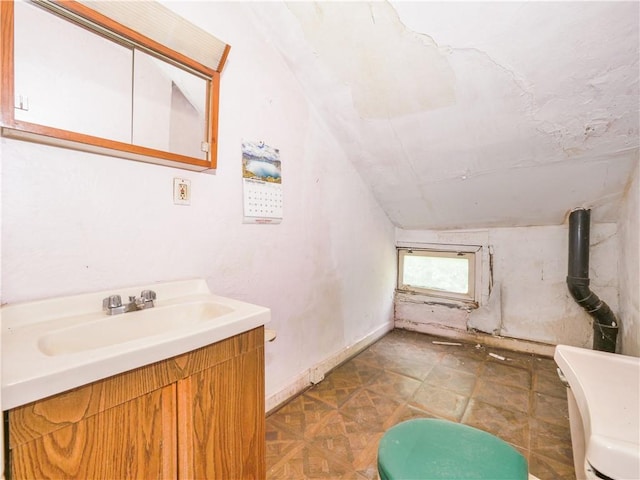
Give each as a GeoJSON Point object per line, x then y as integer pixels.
{"type": "Point", "coordinates": [181, 191]}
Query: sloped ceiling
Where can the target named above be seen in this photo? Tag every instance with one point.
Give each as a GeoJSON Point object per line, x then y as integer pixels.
{"type": "Point", "coordinates": [473, 115]}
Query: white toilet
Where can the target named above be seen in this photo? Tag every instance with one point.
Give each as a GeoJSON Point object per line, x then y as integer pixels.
{"type": "Point", "coordinates": [603, 392]}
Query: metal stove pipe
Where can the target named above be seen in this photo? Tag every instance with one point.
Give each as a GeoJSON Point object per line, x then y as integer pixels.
{"type": "Point", "coordinates": [605, 324]}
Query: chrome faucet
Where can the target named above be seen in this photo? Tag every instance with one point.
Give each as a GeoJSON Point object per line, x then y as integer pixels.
{"type": "Point", "coordinates": [112, 305]}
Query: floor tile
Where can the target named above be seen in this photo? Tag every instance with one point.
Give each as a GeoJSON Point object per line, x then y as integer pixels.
{"type": "Point", "coordinates": [457, 381]}
{"type": "Point", "coordinates": [547, 469]}
{"type": "Point", "coordinates": [509, 425]}
{"type": "Point", "coordinates": [333, 392]}
{"type": "Point", "coordinates": [286, 467]}
{"type": "Point", "coordinates": [507, 375]}
{"type": "Point", "coordinates": [395, 385]}
{"type": "Point", "coordinates": [332, 430]}
{"type": "Point", "coordinates": [504, 396]}
{"type": "Point", "coordinates": [545, 365]}
{"type": "Point", "coordinates": [514, 359]}
{"type": "Point", "coordinates": [411, 367]}
{"type": "Point", "coordinates": [370, 406]}
{"type": "Point", "coordinates": [549, 384]}
{"type": "Point", "coordinates": [302, 415]}
{"type": "Point", "coordinates": [552, 441]}
{"type": "Point", "coordinates": [307, 462]}
{"type": "Point", "coordinates": [349, 440]}
{"type": "Point", "coordinates": [550, 409]}
{"type": "Point", "coordinates": [280, 441]}
{"type": "Point", "coordinates": [463, 363]}
{"type": "Point", "coordinates": [440, 402]}
{"type": "Point", "coordinates": [374, 358]}
{"type": "Point", "coordinates": [355, 372]}
{"type": "Point", "coordinates": [404, 413]}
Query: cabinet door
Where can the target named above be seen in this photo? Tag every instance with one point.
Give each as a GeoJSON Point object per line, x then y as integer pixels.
{"type": "Point", "coordinates": [135, 439]}
{"type": "Point", "coordinates": [221, 420]}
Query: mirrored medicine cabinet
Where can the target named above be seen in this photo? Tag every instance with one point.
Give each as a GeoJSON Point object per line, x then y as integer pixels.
{"type": "Point", "coordinates": [93, 76]}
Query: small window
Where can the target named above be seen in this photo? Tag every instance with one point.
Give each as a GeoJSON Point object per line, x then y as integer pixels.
{"type": "Point", "coordinates": [444, 274]}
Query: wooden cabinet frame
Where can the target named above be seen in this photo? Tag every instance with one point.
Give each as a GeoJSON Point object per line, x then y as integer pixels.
{"type": "Point", "coordinates": [198, 415]}
{"type": "Point", "coordinates": [45, 134]}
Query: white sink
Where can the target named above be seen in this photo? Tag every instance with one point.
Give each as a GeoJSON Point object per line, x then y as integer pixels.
{"type": "Point", "coordinates": [50, 346]}
{"type": "Point", "coordinates": [100, 330]}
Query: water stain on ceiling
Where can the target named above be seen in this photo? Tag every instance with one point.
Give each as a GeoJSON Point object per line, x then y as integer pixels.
{"type": "Point", "coordinates": [474, 114]}
{"type": "Point", "coordinates": [390, 70]}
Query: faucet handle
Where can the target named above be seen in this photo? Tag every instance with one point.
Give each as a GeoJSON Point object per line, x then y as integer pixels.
{"type": "Point", "coordinates": [148, 295]}
{"type": "Point", "coordinates": [112, 301]}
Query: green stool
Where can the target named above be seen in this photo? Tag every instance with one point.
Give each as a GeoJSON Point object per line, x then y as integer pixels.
{"type": "Point", "coordinates": [431, 449]}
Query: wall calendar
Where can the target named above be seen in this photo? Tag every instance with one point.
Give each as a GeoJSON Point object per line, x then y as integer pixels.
{"type": "Point", "coordinates": [262, 183]}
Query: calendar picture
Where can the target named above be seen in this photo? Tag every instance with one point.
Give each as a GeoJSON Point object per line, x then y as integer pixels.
{"type": "Point", "coordinates": [261, 162]}
{"type": "Point", "coordinates": [262, 183]}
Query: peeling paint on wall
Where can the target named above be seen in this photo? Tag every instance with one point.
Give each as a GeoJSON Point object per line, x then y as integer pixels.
{"type": "Point", "coordinates": [430, 314]}
{"type": "Point", "coordinates": [391, 70]}
{"type": "Point", "coordinates": [458, 117]}
{"type": "Point", "coordinates": [488, 318]}
{"type": "Point", "coordinates": [629, 268]}
{"type": "Point", "coordinates": [530, 300]}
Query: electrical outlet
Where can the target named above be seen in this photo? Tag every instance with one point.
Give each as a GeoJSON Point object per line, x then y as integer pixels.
{"type": "Point", "coordinates": [181, 191]}
{"type": "Point", "coordinates": [316, 375]}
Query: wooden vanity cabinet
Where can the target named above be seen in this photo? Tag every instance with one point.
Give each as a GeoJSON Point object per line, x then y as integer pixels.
{"type": "Point", "coordinates": [197, 415]}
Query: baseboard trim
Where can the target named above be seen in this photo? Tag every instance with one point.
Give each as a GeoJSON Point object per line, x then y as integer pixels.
{"type": "Point", "coordinates": [507, 343]}
{"type": "Point", "coordinates": [316, 373]}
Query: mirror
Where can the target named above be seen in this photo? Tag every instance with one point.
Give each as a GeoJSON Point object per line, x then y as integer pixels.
{"type": "Point", "coordinates": [71, 79]}
{"type": "Point", "coordinates": [169, 106]}
{"type": "Point", "coordinates": [60, 85]}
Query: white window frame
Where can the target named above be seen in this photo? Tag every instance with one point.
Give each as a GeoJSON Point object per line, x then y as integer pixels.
{"type": "Point", "coordinates": [469, 252]}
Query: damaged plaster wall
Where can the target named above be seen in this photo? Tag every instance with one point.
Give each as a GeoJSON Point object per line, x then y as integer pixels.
{"type": "Point", "coordinates": [529, 272]}
{"type": "Point", "coordinates": [546, 95]}
{"type": "Point", "coordinates": [458, 114]}
{"type": "Point", "coordinates": [387, 48]}
{"type": "Point", "coordinates": [629, 266]}
{"type": "Point", "coordinates": [532, 265]}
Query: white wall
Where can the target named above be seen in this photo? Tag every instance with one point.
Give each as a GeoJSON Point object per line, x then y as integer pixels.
{"type": "Point", "coordinates": [76, 222]}
{"type": "Point", "coordinates": [530, 268]}
{"type": "Point", "coordinates": [629, 266]}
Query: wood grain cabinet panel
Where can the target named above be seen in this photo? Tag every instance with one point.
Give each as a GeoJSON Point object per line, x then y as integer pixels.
{"type": "Point", "coordinates": [133, 440]}
{"type": "Point", "coordinates": [221, 427]}
{"type": "Point", "coordinates": [197, 415]}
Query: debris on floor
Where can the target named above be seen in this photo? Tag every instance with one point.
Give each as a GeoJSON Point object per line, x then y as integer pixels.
{"type": "Point", "coordinates": [499, 357]}
{"type": "Point", "coordinates": [451, 344]}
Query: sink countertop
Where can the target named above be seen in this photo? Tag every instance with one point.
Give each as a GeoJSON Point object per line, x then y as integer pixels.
{"type": "Point", "coordinates": [29, 374]}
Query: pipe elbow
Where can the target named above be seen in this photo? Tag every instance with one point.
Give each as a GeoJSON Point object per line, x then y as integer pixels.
{"type": "Point", "coordinates": [579, 288]}
{"type": "Point", "coordinates": [582, 294]}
